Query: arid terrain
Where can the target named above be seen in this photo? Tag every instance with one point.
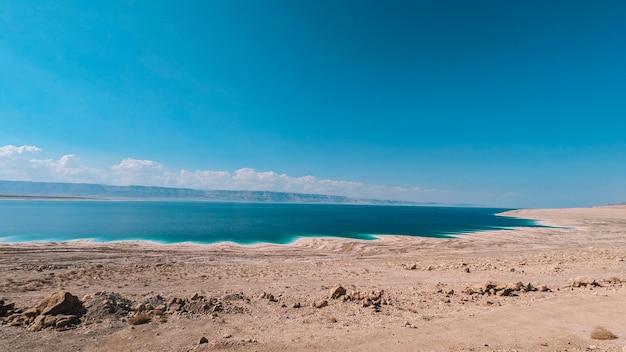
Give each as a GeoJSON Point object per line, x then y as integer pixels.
{"type": "Point", "coordinates": [530, 289]}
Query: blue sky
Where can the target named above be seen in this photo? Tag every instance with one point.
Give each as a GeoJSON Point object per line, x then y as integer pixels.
{"type": "Point", "coordinates": [502, 103]}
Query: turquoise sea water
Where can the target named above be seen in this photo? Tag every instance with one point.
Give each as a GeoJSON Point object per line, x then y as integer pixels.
{"type": "Point", "coordinates": [244, 223]}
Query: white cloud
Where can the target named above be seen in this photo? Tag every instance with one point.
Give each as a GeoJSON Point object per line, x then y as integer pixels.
{"type": "Point", "coordinates": [66, 169]}
{"type": "Point", "coordinates": [134, 165]}
{"type": "Point", "coordinates": [20, 163]}
{"type": "Point", "coordinates": [139, 172]}
{"type": "Point", "coordinates": [14, 161]}
{"type": "Point", "coordinates": [251, 179]}
{"type": "Point", "coordinates": [11, 151]}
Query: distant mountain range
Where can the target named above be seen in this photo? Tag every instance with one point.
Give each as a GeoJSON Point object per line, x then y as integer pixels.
{"type": "Point", "coordinates": [26, 189]}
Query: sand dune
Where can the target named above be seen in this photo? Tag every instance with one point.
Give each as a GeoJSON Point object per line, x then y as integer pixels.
{"type": "Point", "coordinates": [531, 289]}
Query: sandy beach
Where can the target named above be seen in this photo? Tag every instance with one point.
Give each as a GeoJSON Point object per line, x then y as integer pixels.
{"type": "Point", "coordinates": [529, 289]}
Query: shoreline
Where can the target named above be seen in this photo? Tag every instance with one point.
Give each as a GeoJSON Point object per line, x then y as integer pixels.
{"type": "Point", "coordinates": [293, 239]}
{"type": "Point", "coordinates": [298, 241]}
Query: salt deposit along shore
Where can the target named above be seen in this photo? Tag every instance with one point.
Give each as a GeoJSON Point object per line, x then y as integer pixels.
{"type": "Point", "coordinates": [529, 289]}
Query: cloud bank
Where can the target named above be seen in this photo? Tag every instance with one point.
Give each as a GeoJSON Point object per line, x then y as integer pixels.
{"type": "Point", "coordinates": [24, 163]}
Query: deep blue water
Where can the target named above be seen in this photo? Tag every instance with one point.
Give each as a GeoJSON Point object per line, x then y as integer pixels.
{"type": "Point", "coordinates": [244, 223]}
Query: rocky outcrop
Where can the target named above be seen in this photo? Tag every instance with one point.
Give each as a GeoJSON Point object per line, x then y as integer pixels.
{"type": "Point", "coordinates": [109, 305]}
{"type": "Point", "coordinates": [586, 281]}
{"type": "Point", "coordinates": [374, 299]}
{"type": "Point", "coordinates": [491, 288]}
{"type": "Point", "coordinates": [61, 311]}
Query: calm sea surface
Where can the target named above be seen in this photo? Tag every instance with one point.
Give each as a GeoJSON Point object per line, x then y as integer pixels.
{"type": "Point", "coordinates": [244, 223]}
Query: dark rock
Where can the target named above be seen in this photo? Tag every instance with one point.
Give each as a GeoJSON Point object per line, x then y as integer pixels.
{"type": "Point", "coordinates": [5, 308]}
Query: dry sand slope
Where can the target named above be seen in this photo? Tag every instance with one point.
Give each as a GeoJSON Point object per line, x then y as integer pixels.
{"type": "Point", "coordinates": [536, 289]}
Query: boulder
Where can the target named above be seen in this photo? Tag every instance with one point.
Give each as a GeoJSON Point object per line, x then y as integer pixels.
{"type": "Point", "coordinates": [320, 304]}
{"type": "Point", "coordinates": [337, 292]}
{"type": "Point", "coordinates": [61, 302]}
{"type": "Point", "coordinates": [582, 281]}
{"type": "Point", "coordinates": [543, 288]}
{"type": "Point", "coordinates": [483, 287]}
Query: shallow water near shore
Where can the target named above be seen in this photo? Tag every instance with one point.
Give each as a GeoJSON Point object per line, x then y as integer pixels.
{"type": "Point", "coordinates": [242, 223]}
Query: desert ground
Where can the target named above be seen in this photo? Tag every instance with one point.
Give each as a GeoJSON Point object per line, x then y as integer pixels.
{"type": "Point", "coordinates": [529, 289]}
